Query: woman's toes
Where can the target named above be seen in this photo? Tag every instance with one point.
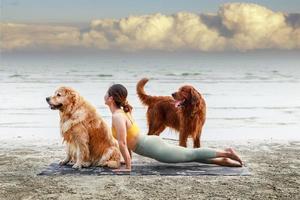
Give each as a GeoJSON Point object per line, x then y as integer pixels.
{"type": "Point", "coordinates": [234, 155]}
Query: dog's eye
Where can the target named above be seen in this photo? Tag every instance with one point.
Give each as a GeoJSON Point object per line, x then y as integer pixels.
{"type": "Point", "coordinates": [58, 94]}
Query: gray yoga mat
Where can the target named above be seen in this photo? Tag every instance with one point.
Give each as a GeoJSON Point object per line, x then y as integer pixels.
{"type": "Point", "coordinates": [144, 169]}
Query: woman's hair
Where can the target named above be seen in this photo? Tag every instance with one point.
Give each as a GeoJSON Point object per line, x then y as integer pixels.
{"type": "Point", "coordinates": [119, 94]}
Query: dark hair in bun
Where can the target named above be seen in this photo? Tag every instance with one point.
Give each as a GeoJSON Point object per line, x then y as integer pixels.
{"type": "Point", "coordinates": [119, 94]}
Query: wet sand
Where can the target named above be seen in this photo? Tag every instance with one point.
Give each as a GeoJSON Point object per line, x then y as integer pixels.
{"type": "Point", "coordinates": [274, 166]}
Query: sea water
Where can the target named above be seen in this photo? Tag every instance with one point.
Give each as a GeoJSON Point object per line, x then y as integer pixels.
{"type": "Point", "coordinates": [252, 98]}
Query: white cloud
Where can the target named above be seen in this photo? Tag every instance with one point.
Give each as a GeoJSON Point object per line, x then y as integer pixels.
{"type": "Point", "coordinates": [26, 36]}
{"type": "Point", "coordinates": [256, 27]}
{"type": "Point", "coordinates": [236, 26]}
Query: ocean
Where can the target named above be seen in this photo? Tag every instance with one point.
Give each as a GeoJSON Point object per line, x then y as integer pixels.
{"type": "Point", "coordinates": [247, 97]}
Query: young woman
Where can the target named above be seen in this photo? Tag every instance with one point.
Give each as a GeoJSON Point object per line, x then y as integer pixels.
{"type": "Point", "coordinates": [126, 131]}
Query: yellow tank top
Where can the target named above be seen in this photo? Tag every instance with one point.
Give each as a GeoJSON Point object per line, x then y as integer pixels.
{"type": "Point", "coordinates": [132, 131]}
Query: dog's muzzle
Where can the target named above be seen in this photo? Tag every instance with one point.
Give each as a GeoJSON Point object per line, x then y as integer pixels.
{"type": "Point", "coordinates": [52, 106]}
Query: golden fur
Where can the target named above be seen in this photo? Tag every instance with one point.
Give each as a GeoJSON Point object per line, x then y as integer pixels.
{"type": "Point", "coordinates": [88, 138]}
{"type": "Point", "coordinates": [185, 112]}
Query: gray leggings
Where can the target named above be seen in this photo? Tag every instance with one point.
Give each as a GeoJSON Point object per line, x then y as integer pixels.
{"type": "Point", "coordinates": [155, 147]}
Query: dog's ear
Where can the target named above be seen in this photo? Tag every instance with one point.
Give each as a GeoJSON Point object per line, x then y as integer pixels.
{"type": "Point", "coordinates": [195, 96]}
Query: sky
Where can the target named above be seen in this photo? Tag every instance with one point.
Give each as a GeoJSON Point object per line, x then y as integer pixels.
{"type": "Point", "coordinates": [86, 10]}
{"type": "Point", "coordinates": [143, 25]}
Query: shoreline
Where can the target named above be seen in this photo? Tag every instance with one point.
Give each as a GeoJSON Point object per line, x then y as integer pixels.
{"type": "Point", "coordinates": [274, 168]}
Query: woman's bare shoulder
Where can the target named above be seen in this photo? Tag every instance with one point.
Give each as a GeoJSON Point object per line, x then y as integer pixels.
{"type": "Point", "coordinates": [118, 118]}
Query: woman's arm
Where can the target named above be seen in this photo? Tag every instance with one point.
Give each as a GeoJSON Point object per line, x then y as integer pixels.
{"type": "Point", "coordinates": [130, 153]}
{"type": "Point", "coordinates": [119, 124]}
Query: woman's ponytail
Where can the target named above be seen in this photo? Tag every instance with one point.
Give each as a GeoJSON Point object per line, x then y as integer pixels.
{"type": "Point", "coordinates": [127, 107]}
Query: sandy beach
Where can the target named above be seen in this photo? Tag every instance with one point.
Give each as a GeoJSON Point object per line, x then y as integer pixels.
{"type": "Point", "coordinates": [274, 166]}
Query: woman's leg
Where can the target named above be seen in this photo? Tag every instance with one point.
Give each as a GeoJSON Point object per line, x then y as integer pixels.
{"type": "Point", "coordinates": [154, 147]}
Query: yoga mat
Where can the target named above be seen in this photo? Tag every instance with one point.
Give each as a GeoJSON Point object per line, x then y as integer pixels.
{"type": "Point", "coordinates": [144, 169]}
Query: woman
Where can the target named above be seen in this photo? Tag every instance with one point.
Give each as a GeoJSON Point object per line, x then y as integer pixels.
{"type": "Point", "coordinates": [126, 131]}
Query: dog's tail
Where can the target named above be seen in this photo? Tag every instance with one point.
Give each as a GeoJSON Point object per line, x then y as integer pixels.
{"type": "Point", "coordinates": [145, 98]}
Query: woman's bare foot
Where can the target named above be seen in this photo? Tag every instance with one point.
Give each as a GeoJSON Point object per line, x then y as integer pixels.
{"type": "Point", "coordinates": [233, 155]}
{"type": "Point", "coordinates": [225, 162]}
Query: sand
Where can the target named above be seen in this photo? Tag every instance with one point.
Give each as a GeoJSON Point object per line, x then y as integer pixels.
{"type": "Point", "coordinates": [274, 166]}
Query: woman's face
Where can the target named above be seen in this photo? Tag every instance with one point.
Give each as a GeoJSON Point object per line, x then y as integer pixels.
{"type": "Point", "coordinates": [107, 99]}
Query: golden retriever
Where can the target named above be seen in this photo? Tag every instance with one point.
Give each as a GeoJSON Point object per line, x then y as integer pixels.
{"type": "Point", "coordinates": [89, 141]}
{"type": "Point", "coordinates": [185, 112]}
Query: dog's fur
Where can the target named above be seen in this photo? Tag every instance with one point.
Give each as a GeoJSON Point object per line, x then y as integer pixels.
{"type": "Point", "coordinates": [185, 112]}
{"type": "Point", "coordinates": [88, 138]}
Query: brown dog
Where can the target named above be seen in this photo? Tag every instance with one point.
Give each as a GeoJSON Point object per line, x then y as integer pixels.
{"type": "Point", "coordinates": [185, 112]}
{"type": "Point", "coordinates": [88, 138]}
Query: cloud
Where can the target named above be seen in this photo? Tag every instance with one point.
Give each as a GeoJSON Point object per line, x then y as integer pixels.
{"type": "Point", "coordinates": [236, 26]}
{"type": "Point", "coordinates": [180, 31]}
{"type": "Point", "coordinates": [256, 27]}
{"type": "Point", "coordinates": [24, 36]}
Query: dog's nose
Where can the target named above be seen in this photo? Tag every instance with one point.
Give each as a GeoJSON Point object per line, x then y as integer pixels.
{"type": "Point", "coordinates": [47, 99]}
{"type": "Point", "coordinates": [173, 94]}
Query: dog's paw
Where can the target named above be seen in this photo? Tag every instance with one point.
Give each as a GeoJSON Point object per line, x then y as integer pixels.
{"type": "Point", "coordinates": [113, 164]}
{"type": "Point", "coordinates": [102, 164]}
{"type": "Point", "coordinates": [77, 166]}
{"type": "Point", "coordinates": [86, 164]}
{"type": "Point", "coordinates": [64, 162]}
{"type": "Point", "coordinates": [71, 162]}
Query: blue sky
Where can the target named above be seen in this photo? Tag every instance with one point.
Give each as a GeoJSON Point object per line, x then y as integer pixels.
{"type": "Point", "coordinates": [78, 11]}
{"type": "Point", "coordinates": [149, 25]}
